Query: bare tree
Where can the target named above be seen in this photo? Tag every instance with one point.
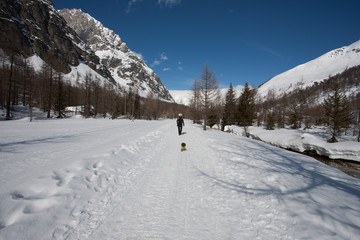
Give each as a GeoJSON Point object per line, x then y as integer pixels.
{"type": "Point", "coordinates": [59, 99]}
{"type": "Point", "coordinates": [195, 102]}
{"type": "Point", "coordinates": [87, 98]}
{"type": "Point", "coordinates": [209, 91]}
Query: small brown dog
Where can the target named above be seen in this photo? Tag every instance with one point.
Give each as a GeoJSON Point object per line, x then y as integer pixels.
{"type": "Point", "coordinates": [183, 147]}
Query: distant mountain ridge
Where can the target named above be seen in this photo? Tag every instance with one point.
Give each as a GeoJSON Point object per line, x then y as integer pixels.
{"type": "Point", "coordinates": [329, 64]}
{"type": "Point", "coordinates": [37, 31]}
{"type": "Point", "coordinates": [184, 96]}
{"type": "Point", "coordinates": [126, 67]}
{"type": "Point", "coordinates": [305, 75]}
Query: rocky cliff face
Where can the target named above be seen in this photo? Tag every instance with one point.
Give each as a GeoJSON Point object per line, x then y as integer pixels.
{"type": "Point", "coordinates": [30, 27]}
{"type": "Point", "coordinates": [126, 67]}
{"type": "Point", "coordinates": [33, 27]}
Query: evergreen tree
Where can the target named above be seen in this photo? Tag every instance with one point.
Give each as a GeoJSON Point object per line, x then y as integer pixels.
{"type": "Point", "coordinates": [246, 109]}
{"type": "Point", "coordinates": [338, 113]}
{"type": "Point", "coordinates": [270, 122]}
{"type": "Point", "coordinates": [229, 108]}
{"type": "Point", "coordinates": [294, 116]}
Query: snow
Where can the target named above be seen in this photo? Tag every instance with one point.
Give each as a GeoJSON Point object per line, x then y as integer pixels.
{"type": "Point", "coordinates": [329, 64]}
{"type": "Point", "coordinates": [80, 71]}
{"type": "Point", "coordinates": [118, 179]}
{"type": "Point", "coordinates": [36, 62]}
{"type": "Point", "coordinates": [109, 47]}
{"type": "Point", "coordinates": [300, 140]}
{"type": "Point", "coordinates": [184, 96]}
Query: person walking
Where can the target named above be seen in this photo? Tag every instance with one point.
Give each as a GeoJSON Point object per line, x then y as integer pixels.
{"type": "Point", "coordinates": [180, 123]}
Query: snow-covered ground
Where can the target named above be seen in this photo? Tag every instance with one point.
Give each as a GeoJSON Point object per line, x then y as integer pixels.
{"type": "Point", "coordinates": [118, 179]}
{"type": "Point", "coordinates": [300, 140]}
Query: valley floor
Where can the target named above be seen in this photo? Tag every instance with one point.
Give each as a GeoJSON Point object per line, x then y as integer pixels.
{"type": "Point", "coordinates": [104, 179]}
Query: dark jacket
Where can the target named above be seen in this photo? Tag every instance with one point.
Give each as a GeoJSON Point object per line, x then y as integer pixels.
{"type": "Point", "coordinates": [180, 122]}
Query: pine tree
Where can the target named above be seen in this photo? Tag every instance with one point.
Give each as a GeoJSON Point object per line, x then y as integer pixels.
{"type": "Point", "coordinates": [294, 116]}
{"type": "Point", "coordinates": [246, 109]}
{"type": "Point", "coordinates": [229, 108]}
{"type": "Point", "coordinates": [338, 113]}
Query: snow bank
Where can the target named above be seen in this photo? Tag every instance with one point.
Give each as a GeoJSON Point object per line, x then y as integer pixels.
{"type": "Point", "coordinates": [301, 140]}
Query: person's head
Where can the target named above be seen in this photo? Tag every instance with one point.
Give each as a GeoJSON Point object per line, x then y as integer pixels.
{"type": "Point", "coordinates": [180, 115]}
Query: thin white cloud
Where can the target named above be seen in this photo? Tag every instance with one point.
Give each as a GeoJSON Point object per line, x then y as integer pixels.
{"type": "Point", "coordinates": [169, 3]}
{"type": "Point", "coordinates": [272, 52]}
{"type": "Point", "coordinates": [131, 4]}
{"type": "Point", "coordinates": [166, 69]}
{"type": "Point", "coordinates": [180, 66]}
{"type": "Point", "coordinates": [163, 56]}
{"type": "Point", "coordinates": [266, 49]}
{"type": "Point", "coordinates": [157, 62]}
{"type": "Point", "coordinates": [139, 55]}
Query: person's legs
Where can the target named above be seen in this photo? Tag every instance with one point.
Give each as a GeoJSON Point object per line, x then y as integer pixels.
{"type": "Point", "coordinates": [180, 129]}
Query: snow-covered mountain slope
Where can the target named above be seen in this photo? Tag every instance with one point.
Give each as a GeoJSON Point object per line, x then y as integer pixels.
{"type": "Point", "coordinates": [77, 73]}
{"type": "Point", "coordinates": [126, 67]}
{"type": "Point", "coordinates": [104, 179]}
{"type": "Point", "coordinates": [184, 96]}
{"type": "Point", "coordinates": [329, 64]}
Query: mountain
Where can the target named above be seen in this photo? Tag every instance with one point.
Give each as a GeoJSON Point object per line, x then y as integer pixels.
{"type": "Point", "coordinates": [37, 31]}
{"type": "Point", "coordinates": [34, 28]}
{"type": "Point", "coordinates": [126, 67]}
{"type": "Point", "coordinates": [184, 96]}
{"type": "Point", "coordinates": [307, 74]}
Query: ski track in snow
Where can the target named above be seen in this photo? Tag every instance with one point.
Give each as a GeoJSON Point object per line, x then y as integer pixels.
{"type": "Point", "coordinates": [92, 215]}
{"type": "Point", "coordinates": [103, 179]}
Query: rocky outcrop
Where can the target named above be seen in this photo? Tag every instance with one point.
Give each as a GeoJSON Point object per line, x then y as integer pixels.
{"type": "Point", "coordinates": [31, 27]}
{"type": "Point", "coordinates": [127, 68]}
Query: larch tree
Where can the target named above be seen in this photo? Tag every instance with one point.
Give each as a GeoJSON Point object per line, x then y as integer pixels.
{"type": "Point", "coordinates": [209, 91]}
{"type": "Point", "coordinates": [338, 113]}
{"type": "Point", "coordinates": [195, 102]}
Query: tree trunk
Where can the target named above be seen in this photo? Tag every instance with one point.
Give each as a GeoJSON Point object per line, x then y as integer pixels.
{"type": "Point", "coordinates": [50, 94]}
{"type": "Point", "coordinates": [8, 100]}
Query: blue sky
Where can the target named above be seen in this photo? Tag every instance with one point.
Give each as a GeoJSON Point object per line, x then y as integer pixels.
{"type": "Point", "coordinates": [241, 40]}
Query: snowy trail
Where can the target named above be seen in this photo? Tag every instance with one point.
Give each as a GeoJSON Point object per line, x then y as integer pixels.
{"type": "Point", "coordinates": [164, 204]}
{"type": "Point", "coordinates": [101, 179]}
{"type": "Point", "coordinates": [147, 211]}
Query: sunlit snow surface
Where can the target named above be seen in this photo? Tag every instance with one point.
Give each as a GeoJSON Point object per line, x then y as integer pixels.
{"type": "Point", "coordinates": [118, 179]}
{"type": "Point", "coordinates": [329, 64]}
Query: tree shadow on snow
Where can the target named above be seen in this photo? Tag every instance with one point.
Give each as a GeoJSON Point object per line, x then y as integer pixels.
{"type": "Point", "coordinates": [15, 146]}
{"type": "Point", "coordinates": [289, 176]}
